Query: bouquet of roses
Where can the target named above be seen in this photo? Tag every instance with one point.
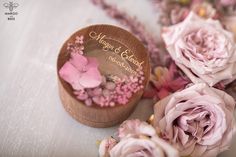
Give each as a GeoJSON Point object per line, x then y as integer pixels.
{"type": "Point", "coordinates": [193, 115]}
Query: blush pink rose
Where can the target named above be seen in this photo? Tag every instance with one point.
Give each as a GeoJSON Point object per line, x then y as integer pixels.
{"type": "Point", "coordinates": [198, 121]}
{"type": "Point", "coordinates": [202, 49]}
{"type": "Point", "coordinates": [136, 138]}
{"type": "Point", "coordinates": [143, 147]}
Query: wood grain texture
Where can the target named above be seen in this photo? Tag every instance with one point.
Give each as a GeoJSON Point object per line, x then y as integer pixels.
{"type": "Point", "coordinates": [103, 116]}
{"type": "Point", "coordinates": [33, 122]}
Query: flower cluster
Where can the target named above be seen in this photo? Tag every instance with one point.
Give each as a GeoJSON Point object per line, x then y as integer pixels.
{"type": "Point", "coordinates": [82, 73]}
{"type": "Point", "coordinates": [113, 90]}
{"type": "Point", "coordinates": [77, 46]}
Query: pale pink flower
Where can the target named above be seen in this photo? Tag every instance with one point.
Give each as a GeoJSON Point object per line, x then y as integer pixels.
{"type": "Point", "coordinates": [143, 146]}
{"type": "Point", "coordinates": [132, 128]}
{"type": "Point", "coordinates": [198, 121]}
{"type": "Point", "coordinates": [136, 138]}
{"type": "Point", "coordinates": [105, 146]}
{"type": "Point", "coordinates": [202, 49]}
{"type": "Point", "coordinates": [165, 81]}
{"type": "Point", "coordinates": [81, 72]}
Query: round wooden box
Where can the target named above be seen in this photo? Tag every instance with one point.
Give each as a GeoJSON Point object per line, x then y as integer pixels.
{"type": "Point", "coordinates": [105, 42]}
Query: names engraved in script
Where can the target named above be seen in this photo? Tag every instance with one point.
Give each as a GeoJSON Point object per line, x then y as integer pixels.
{"type": "Point", "coordinates": [126, 54]}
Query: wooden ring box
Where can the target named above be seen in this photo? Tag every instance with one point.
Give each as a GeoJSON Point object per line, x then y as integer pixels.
{"type": "Point", "coordinates": [100, 46]}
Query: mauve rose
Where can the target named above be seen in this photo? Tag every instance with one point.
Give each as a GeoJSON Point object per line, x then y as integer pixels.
{"type": "Point", "coordinates": [136, 138]}
{"type": "Point", "coordinates": [143, 147]}
{"type": "Point", "coordinates": [202, 49]}
{"type": "Point", "coordinates": [198, 120]}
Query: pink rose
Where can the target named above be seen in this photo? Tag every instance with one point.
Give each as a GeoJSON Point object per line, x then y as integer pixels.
{"type": "Point", "coordinates": [136, 138]}
{"type": "Point", "coordinates": [143, 146]}
{"type": "Point", "coordinates": [202, 49]}
{"type": "Point", "coordinates": [198, 121]}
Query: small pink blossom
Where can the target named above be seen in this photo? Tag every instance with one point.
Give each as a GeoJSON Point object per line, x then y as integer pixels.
{"type": "Point", "coordinates": [77, 46]}
{"type": "Point", "coordinates": [79, 39]}
{"type": "Point", "coordinates": [165, 81]}
{"type": "Point", "coordinates": [81, 72]}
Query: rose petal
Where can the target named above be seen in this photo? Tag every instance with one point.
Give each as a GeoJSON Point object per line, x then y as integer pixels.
{"type": "Point", "coordinates": [71, 75]}
{"type": "Point", "coordinates": [78, 61]}
{"type": "Point", "coordinates": [92, 63]}
{"type": "Point", "coordinates": [91, 78]}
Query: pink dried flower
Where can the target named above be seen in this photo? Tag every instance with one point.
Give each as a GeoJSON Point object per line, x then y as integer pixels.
{"type": "Point", "coordinates": [110, 93]}
{"type": "Point", "coordinates": [77, 46]}
{"type": "Point", "coordinates": [165, 81]}
{"type": "Point", "coordinates": [81, 72]}
{"type": "Point", "coordinates": [79, 39]}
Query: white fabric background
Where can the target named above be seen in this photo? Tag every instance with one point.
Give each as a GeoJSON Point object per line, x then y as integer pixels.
{"type": "Point", "coordinates": [33, 122]}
